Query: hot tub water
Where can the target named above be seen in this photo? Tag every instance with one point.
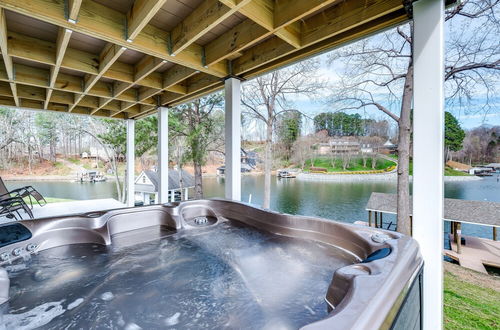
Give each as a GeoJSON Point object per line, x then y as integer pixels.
{"type": "Point", "coordinates": [224, 276]}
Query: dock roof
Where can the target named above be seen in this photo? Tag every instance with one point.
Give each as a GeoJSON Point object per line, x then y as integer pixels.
{"type": "Point", "coordinates": [459, 210]}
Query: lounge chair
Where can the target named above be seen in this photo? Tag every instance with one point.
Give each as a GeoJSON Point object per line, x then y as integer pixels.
{"type": "Point", "coordinates": [26, 191]}
{"type": "Point", "coordinates": [9, 207]}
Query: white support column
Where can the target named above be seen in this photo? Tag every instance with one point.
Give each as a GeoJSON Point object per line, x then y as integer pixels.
{"type": "Point", "coordinates": [186, 194]}
{"type": "Point", "coordinates": [163, 155]}
{"type": "Point", "coordinates": [232, 175]}
{"type": "Point", "coordinates": [428, 152]}
{"type": "Point", "coordinates": [130, 162]}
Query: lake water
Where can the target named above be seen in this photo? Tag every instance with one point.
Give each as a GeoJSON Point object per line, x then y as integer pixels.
{"type": "Point", "coordinates": [340, 201]}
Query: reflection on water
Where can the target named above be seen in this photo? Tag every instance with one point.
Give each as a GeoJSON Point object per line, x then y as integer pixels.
{"type": "Point", "coordinates": [228, 276]}
{"type": "Point", "coordinates": [340, 201]}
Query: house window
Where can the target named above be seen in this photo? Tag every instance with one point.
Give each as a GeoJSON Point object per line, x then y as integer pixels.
{"type": "Point", "coordinates": [143, 179]}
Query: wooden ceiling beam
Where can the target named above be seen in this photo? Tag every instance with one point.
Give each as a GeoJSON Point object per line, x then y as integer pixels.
{"type": "Point", "coordinates": [236, 39]}
{"type": "Point", "coordinates": [7, 60]}
{"type": "Point", "coordinates": [327, 24]}
{"type": "Point", "coordinates": [63, 37]}
{"type": "Point", "coordinates": [203, 19]}
{"type": "Point", "coordinates": [272, 54]}
{"type": "Point", "coordinates": [140, 14]}
{"type": "Point", "coordinates": [99, 21]}
{"type": "Point", "coordinates": [108, 56]}
{"type": "Point", "coordinates": [73, 10]}
{"type": "Point", "coordinates": [288, 11]}
{"type": "Point", "coordinates": [144, 68]}
{"type": "Point", "coordinates": [43, 52]}
{"type": "Point", "coordinates": [344, 16]}
{"type": "Point", "coordinates": [262, 13]}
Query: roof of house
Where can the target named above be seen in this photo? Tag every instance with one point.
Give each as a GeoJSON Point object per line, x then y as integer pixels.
{"type": "Point", "coordinates": [173, 181]}
{"type": "Point", "coordinates": [121, 58]}
{"type": "Point", "coordinates": [475, 212]}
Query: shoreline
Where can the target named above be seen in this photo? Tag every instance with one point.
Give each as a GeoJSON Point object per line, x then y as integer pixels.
{"type": "Point", "coordinates": [392, 176]}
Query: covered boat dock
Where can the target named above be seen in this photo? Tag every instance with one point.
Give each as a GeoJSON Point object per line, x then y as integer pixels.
{"type": "Point", "coordinates": [476, 252]}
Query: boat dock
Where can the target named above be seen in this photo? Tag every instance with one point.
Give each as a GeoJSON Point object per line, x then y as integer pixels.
{"type": "Point", "coordinates": [476, 253]}
{"type": "Point", "coordinates": [470, 252]}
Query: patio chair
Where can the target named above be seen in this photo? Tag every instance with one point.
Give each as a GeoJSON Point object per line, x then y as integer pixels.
{"type": "Point", "coordinates": [26, 191]}
{"type": "Point", "coordinates": [9, 207]}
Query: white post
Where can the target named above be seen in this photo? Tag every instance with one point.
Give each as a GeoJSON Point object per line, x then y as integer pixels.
{"type": "Point", "coordinates": [130, 157]}
{"type": "Point", "coordinates": [162, 155]}
{"type": "Point", "coordinates": [146, 199]}
{"type": "Point", "coordinates": [186, 194]}
{"type": "Point", "coordinates": [428, 152]}
{"type": "Point", "coordinates": [232, 174]}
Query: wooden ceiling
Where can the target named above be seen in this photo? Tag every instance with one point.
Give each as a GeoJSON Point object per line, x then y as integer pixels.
{"type": "Point", "coordinates": [123, 58]}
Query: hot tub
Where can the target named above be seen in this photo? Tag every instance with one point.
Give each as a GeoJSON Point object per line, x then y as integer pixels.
{"type": "Point", "coordinates": [206, 264]}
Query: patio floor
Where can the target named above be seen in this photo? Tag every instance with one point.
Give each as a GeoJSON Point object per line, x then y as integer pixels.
{"type": "Point", "coordinates": [68, 208]}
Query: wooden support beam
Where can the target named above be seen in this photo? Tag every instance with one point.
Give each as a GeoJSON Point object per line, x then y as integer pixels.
{"type": "Point", "coordinates": [204, 18]}
{"type": "Point", "coordinates": [99, 21]}
{"type": "Point", "coordinates": [147, 65]}
{"type": "Point", "coordinates": [109, 55]}
{"type": "Point", "coordinates": [344, 16]}
{"type": "Point", "coordinates": [262, 12]}
{"type": "Point", "coordinates": [236, 39]}
{"type": "Point", "coordinates": [287, 11]}
{"type": "Point", "coordinates": [140, 14]}
{"type": "Point", "coordinates": [63, 37]}
{"type": "Point", "coordinates": [7, 60]}
{"type": "Point", "coordinates": [73, 10]}
{"type": "Point", "coordinates": [274, 53]}
{"type": "Point", "coordinates": [176, 75]}
{"type": "Point", "coordinates": [335, 21]}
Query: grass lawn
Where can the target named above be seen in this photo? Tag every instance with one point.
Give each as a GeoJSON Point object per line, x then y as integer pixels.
{"type": "Point", "coordinates": [470, 300]}
{"type": "Point", "coordinates": [355, 165]}
{"type": "Point", "coordinates": [448, 171]}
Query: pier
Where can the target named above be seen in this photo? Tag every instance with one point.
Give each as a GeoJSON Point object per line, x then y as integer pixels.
{"type": "Point", "coordinates": [470, 252]}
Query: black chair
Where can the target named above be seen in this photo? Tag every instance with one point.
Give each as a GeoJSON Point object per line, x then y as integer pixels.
{"type": "Point", "coordinates": [9, 207]}
{"type": "Point", "coordinates": [26, 191]}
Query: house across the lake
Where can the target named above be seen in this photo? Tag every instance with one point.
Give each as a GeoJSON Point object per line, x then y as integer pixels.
{"type": "Point", "coordinates": [147, 183]}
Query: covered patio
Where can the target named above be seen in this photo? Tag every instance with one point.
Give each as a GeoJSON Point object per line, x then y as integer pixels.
{"type": "Point", "coordinates": [129, 59]}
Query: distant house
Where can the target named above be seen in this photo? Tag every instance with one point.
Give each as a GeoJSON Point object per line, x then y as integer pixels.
{"type": "Point", "coordinates": [338, 146]}
{"type": "Point", "coordinates": [147, 183]}
{"type": "Point", "coordinates": [248, 162]}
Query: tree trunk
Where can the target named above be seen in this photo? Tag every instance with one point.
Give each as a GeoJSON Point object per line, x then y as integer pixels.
{"type": "Point", "coordinates": [403, 186]}
{"type": "Point", "coordinates": [267, 165]}
{"type": "Point", "coordinates": [198, 182]}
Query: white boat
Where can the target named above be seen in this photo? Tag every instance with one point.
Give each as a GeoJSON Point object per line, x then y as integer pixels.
{"type": "Point", "coordinates": [286, 174]}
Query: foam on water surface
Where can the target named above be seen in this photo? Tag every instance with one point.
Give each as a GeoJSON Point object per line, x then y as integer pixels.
{"type": "Point", "coordinates": [224, 276]}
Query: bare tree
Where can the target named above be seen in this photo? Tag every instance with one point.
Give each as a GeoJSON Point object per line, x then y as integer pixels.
{"type": "Point", "coordinates": [267, 97]}
{"type": "Point", "coordinates": [302, 150]}
{"type": "Point", "coordinates": [383, 65]}
{"type": "Point", "coordinates": [346, 160]}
